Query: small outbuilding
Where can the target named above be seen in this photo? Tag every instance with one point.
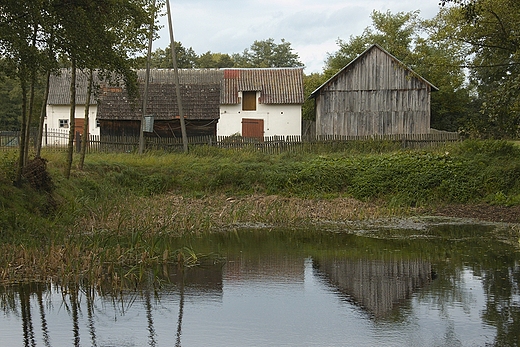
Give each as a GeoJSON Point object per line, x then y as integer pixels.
{"type": "Point", "coordinates": [375, 94]}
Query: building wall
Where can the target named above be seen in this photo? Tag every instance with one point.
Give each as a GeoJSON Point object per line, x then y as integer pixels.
{"type": "Point", "coordinates": [376, 95]}
{"type": "Point", "coordinates": [282, 120]}
{"type": "Point", "coordinates": [57, 112]}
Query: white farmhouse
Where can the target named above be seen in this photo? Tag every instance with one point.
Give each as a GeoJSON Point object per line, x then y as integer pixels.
{"type": "Point", "coordinates": [261, 102]}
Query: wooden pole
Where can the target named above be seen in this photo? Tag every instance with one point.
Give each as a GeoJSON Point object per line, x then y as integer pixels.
{"type": "Point", "coordinates": [176, 75]}
{"type": "Point", "coordinates": [146, 83]}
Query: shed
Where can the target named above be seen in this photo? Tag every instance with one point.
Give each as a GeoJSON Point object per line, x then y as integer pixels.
{"type": "Point", "coordinates": [118, 114]}
{"type": "Point", "coordinates": [375, 94]}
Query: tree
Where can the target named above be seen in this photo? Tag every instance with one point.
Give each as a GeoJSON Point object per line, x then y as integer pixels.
{"type": "Point", "coordinates": [440, 59]}
{"type": "Point", "coordinates": [20, 33]}
{"type": "Point", "coordinates": [393, 32]}
{"type": "Point", "coordinates": [311, 83]}
{"type": "Point", "coordinates": [214, 60]}
{"type": "Point", "coordinates": [491, 28]}
{"type": "Point", "coordinates": [268, 54]}
{"type": "Point", "coordinates": [162, 58]}
{"type": "Point", "coordinates": [10, 103]}
{"type": "Point", "coordinates": [91, 36]}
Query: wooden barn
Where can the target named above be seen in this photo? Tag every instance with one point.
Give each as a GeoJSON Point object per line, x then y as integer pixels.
{"type": "Point", "coordinates": [375, 94]}
{"type": "Point", "coordinates": [120, 115]}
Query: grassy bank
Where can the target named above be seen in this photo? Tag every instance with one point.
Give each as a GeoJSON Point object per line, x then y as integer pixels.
{"type": "Point", "coordinates": [125, 211]}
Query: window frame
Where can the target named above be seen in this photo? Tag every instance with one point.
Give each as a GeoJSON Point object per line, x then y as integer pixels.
{"type": "Point", "coordinates": [63, 123]}
{"type": "Point", "coordinates": [249, 100]}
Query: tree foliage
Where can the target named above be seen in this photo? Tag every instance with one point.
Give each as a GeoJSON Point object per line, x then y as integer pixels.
{"type": "Point", "coordinates": [393, 32]}
{"type": "Point", "coordinates": [491, 31]}
{"type": "Point", "coordinates": [162, 58]}
{"type": "Point", "coordinates": [261, 54]}
{"type": "Point", "coordinates": [214, 60]}
{"type": "Point", "coordinates": [268, 54]}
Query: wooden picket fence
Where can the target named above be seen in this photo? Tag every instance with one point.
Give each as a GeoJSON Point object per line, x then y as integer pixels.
{"type": "Point", "coordinates": [57, 140]}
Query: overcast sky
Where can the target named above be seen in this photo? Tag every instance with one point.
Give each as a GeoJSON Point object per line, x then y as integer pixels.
{"type": "Point", "coordinates": [311, 26]}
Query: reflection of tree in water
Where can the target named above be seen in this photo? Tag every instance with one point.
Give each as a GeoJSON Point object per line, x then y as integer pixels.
{"type": "Point", "coordinates": [75, 297]}
{"type": "Point", "coordinates": [25, 305]}
{"type": "Point", "coordinates": [377, 286]}
{"type": "Point", "coordinates": [502, 288]}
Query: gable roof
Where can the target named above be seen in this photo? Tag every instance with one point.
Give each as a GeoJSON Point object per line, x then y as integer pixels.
{"type": "Point", "coordinates": [59, 87]}
{"type": "Point", "coordinates": [359, 57]}
{"type": "Point", "coordinates": [277, 85]}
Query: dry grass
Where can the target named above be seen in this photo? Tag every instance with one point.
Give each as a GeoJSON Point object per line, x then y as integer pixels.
{"type": "Point", "coordinates": [177, 215]}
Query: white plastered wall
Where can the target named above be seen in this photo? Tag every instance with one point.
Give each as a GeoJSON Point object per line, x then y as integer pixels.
{"type": "Point", "coordinates": [57, 112]}
{"type": "Point", "coordinates": [281, 120]}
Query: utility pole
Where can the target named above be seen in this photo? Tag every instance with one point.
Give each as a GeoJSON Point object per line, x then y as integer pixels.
{"type": "Point", "coordinates": [176, 74]}
{"type": "Point", "coordinates": [146, 83]}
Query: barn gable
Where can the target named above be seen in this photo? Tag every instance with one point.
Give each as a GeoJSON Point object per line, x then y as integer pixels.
{"type": "Point", "coordinates": [374, 94]}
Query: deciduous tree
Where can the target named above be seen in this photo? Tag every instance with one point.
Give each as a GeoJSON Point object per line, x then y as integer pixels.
{"type": "Point", "coordinates": [491, 28]}
{"type": "Point", "coordinates": [268, 54]}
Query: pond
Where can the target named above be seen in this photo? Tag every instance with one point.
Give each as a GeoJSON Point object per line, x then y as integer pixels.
{"type": "Point", "coordinates": [442, 284]}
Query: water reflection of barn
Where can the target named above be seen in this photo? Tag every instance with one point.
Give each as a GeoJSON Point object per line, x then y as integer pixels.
{"type": "Point", "coordinates": [277, 267]}
{"type": "Point", "coordinates": [378, 286]}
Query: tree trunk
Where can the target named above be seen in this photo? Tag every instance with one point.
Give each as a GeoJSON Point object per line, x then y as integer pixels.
{"type": "Point", "coordinates": [29, 117]}
{"type": "Point", "coordinates": [21, 163]}
{"type": "Point", "coordinates": [72, 120]}
{"type": "Point", "coordinates": [43, 114]}
{"type": "Point", "coordinates": [86, 134]}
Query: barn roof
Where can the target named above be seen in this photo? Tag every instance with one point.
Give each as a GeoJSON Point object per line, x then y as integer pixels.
{"type": "Point", "coordinates": [200, 92]}
{"type": "Point", "coordinates": [358, 58]}
{"type": "Point", "coordinates": [277, 85]}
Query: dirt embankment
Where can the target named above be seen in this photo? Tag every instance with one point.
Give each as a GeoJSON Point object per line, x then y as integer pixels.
{"type": "Point", "coordinates": [484, 212]}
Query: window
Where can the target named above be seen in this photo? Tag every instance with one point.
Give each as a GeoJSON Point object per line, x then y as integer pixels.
{"type": "Point", "coordinates": [248, 101]}
{"type": "Point", "coordinates": [97, 123]}
{"type": "Point", "coordinates": [64, 123]}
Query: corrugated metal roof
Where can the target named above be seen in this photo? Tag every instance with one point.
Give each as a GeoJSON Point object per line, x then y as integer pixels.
{"type": "Point", "coordinates": [276, 86]}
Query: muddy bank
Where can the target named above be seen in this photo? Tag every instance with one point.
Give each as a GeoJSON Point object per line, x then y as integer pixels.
{"type": "Point", "coordinates": [482, 212]}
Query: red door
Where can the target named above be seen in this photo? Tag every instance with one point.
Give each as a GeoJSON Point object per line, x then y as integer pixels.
{"type": "Point", "coordinates": [78, 126]}
{"type": "Point", "coordinates": [253, 128]}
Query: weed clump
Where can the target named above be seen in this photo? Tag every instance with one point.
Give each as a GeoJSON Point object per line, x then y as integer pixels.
{"type": "Point", "coordinates": [36, 174]}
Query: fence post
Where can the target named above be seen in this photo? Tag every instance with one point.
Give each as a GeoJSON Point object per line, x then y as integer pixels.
{"type": "Point", "coordinates": [78, 142]}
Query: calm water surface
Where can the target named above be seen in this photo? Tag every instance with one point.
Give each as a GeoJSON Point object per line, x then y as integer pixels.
{"type": "Point", "coordinates": [445, 285]}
